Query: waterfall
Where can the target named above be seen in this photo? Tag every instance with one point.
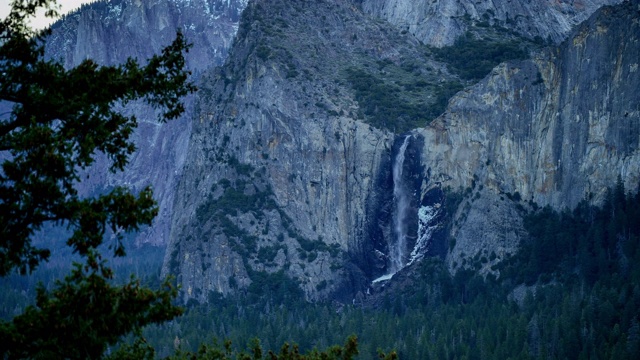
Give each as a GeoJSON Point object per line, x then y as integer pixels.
{"type": "Point", "coordinates": [402, 199]}
{"type": "Point", "coordinates": [398, 255]}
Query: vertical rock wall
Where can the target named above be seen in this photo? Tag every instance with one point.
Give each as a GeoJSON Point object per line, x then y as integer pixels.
{"type": "Point", "coordinates": [554, 130]}
{"type": "Point", "coordinates": [279, 131]}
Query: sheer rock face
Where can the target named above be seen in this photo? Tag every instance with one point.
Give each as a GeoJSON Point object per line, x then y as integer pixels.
{"type": "Point", "coordinates": [278, 121]}
{"type": "Point", "coordinates": [555, 130]}
{"type": "Point", "coordinates": [277, 129]}
{"type": "Point", "coordinates": [440, 22]}
{"type": "Point", "coordinates": [109, 33]}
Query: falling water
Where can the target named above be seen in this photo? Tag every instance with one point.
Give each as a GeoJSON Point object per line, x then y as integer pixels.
{"type": "Point", "coordinates": [402, 199]}
{"type": "Point", "coordinates": [427, 222]}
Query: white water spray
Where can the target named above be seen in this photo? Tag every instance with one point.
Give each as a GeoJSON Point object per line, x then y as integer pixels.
{"type": "Point", "coordinates": [426, 228]}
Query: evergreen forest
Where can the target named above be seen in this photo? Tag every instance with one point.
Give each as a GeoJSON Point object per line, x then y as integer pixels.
{"type": "Point", "coordinates": [571, 292]}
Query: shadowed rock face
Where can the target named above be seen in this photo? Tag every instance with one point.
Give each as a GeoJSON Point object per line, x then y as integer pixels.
{"type": "Point", "coordinates": [109, 33]}
{"type": "Point", "coordinates": [440, 22]}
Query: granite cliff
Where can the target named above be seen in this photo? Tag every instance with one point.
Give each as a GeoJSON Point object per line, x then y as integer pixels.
{"type": "Point", "coordinates": [553, 130]}
{"type": "Point", "coordinates": [279, 172]}
{"type": "Point", "coordinates": [290, 172]}
{"type": "Point", "coordinates": [109, 32]}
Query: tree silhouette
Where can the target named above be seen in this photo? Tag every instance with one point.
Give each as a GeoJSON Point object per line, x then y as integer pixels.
{"type": "Point", "coordinates": [60, 119]}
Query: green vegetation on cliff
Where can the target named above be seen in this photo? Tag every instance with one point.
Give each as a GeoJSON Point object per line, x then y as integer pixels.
{"type": "Point", "coordinates": [399, 106]}
{"type": "Point", "coordinates": [472, 58]}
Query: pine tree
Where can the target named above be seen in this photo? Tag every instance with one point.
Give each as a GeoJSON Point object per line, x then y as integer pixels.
{"type": "Point", "coordinates": [59, 120]}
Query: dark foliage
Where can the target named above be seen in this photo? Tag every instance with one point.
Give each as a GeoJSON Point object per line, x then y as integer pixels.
{"type": "Point", "coordinates": [581, 245]}
{"type": "Point", "coordinates": [473, 59]}
{"type": "Point", "coordinates": [59, 119]}
{"type": "Point", "coordinates": [567, 310]}
{"type": "Point", "coordinates": [385, 107]}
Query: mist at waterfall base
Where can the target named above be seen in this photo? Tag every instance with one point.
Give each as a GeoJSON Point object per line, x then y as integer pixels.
{"type": "Point", "coordinates": [398, 255]}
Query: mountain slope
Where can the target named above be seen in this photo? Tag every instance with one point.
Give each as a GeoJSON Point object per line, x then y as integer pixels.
{"type": "Point", "coordinates": [279, 119]}
{"type": "Point", "coordinates": [109, 32]}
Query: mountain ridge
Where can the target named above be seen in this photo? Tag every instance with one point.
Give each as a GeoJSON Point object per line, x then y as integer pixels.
{"type": "Point", "coordinates": [440, 23]}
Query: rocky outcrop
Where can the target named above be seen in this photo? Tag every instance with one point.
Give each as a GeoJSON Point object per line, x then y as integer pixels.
{"type": "Point", "coordinates": [554, 130]}
{"type": "Point", "coordinates": [440, 23]}
{"type": "Point", "coordinates": [109, 32]}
